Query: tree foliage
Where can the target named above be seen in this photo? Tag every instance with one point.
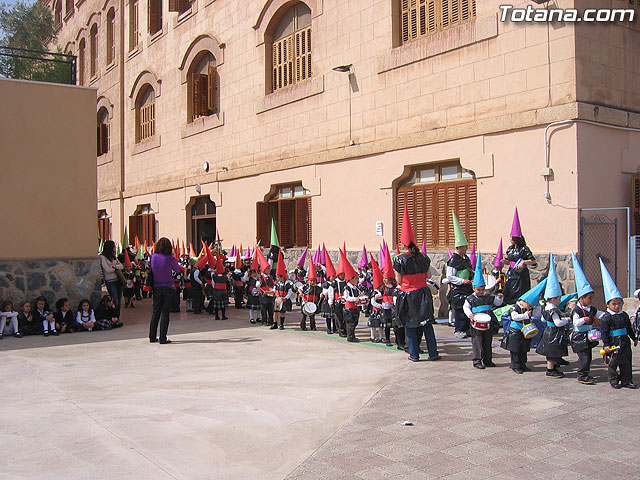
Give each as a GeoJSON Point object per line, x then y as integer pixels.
{"type": "Point", "coordinates": [30, 27]}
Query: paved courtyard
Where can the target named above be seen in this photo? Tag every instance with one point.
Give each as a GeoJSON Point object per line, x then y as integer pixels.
{"type": "Point", "coordinates": [228, 400]}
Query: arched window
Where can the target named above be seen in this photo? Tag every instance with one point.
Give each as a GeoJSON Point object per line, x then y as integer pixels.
{"type": "Point", "coordinates": [68, 7]}
{"type": "Point", "coordinates": [203, 220]}
{"type": "Point", "coordinates": [81, 61]}
{"type": "Point", "coordinates": [155, 16]}
{"type": "Point", "coordinates": [290, 208]}
{"type": "Point", "coordinates": [430, 192]}
{"type": "Point", "coordinates": [142, 224]}
{"type": "Point", "coordinates": [420, 18]}
{"type": "Point", "coordinates": [57, 18]}
{"type": "Point", "coordinates": [291, 49]}
{"type": "Point", "coordinates": [93, 48]}
{"type": "Point", "coordinates": [133, 24]}
{"type": "Point", "coordinates": [145, 113]}
{"type": "Point", "coordinates": [104, 225]}
{"type": "Point", "coordinates": [202, 87]}
{"type": "Point", "coordinates": [103, 131]}
{"type": "Point", "coordinates": [111, 44]}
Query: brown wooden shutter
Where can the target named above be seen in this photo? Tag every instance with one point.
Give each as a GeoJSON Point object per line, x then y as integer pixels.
{"type": "Point", "coordinates": [196, 110]}
{"type": "Point", "coordinates": [262, 223]}
{"type": "Point", "coordinates": [151, 228]}
{"type": "Point", "coordinates": [133, 226]}
{"type": "Point", "coordinates": [104, 138]}
{"type": "Point", "coordinates": [99, 139]}
{"type": "Point", "coordinates": [635, 206]}
{"type": "Point", "coordinates": [302, 222]}
{"type": "Point", "coordinates": [211, 89]}
{"type": "Point", "coordinates": [286, 220]}
{"type": "Point", "coordinates": [309, 216]}
{"type": "Point", "coordinates": [154, 16]}
{"type": "Point", "coordinates": [175, 5]}
{"type": "Point", "coordinates": [204, 89]}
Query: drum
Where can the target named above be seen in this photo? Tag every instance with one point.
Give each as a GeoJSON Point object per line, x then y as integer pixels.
{"type": "Point", "coordinates": [279, 304]}
{"type": "Point", "coordinates": [594, 335]}
{"type": "Point", "coordinates": [298, 285]}
{"type": "Point", "coordinates": [363, 299]}
{"type": "Point", "coordinates": [309, 308]}
{"type": "Point", "coordinates": [255, 291]}
{"type": "Point", "coordinates": [489, 281]}
{"type": "Point", "coordinates": [481, 321]}
{"type": "Point", "coordinates": [529, 331]}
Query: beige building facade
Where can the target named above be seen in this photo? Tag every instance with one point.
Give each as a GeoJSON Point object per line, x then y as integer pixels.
{"type": "Point", "coordinates": [330, 116]}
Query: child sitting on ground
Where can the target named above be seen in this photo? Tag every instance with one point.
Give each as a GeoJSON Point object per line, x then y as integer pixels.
{"type": "Point", "coordinates": [26, 323]}
{"type": "Point", "coordinates": [43, 315]}
{"type": "Point", "coordinates": [8, 316]}
{"type": "Point", "coordinates": [65, 321]}
{"type": "Point", "coordinates": [106, 314]}
{"type": "Point", "coordinates": [85, 317]}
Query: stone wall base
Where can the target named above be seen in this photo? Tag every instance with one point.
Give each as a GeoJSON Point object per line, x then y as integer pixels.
{"type": "Point", "coordinates": [75, 279]}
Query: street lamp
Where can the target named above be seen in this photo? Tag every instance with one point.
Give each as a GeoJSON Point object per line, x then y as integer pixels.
{"type": "Point", "coordinates": [347, 69]}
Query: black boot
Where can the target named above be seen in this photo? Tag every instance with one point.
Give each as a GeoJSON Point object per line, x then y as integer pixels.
{"type": "Point", "coordinates": [282, 324]}
{"type": "Point", "coordinates": [224, 316]}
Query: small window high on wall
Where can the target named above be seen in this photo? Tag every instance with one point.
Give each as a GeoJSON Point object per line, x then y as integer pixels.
{"type": "Point", "coordinates": [430, 193]}
{"type": "Point", "coordinates": [290, 209]}
{"type": "Point", "coordinates": [202, 87]}
{"type": "Point", "coordinates": [103, 131]}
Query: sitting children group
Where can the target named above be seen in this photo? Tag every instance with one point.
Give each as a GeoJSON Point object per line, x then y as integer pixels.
{"type": "Point", "coordinates": [37, 318]}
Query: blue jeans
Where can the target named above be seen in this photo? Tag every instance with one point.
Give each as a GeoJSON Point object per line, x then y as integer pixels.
{"type": "Point", "coordinates": [430, 338]}
{"type": "Point", "coordinates": [114, 287]}
{"type": "Point", "coordinates": [462, 321]}
{"type": "Point", "coordinates": [413, 342]}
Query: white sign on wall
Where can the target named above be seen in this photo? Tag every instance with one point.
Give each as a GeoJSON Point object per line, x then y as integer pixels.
{"type": "Point", "coordinates": [379, 228]}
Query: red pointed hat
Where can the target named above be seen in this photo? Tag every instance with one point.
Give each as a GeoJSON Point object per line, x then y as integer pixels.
{"type": "Point", "coordinates": [280, 269]}
{"type": "Point", "coordinates": [220, 266]}
{"type": "Point", "coordinates": [349, 271]}
{"type": "Point", "coordinates": [377, 274]}
{"type": "Point", "coordinates": [407, 237]}
{"type": "Point", "coordinates": [312, 269]}
{"type": "Point", "coordinates": [127, 260]}
{"type": "Point", "coordinates": [331, 271]}
{"type": "Point", "coordinates": [264, 263]}
{"type": "Point", "coordinates": [202, 261]}
{"type": "Point", "coordinates": [388, 265]}
{"type": "Point", "coordinates": [254, 261]}
{"type": "Point", "coordinates": [341, 262]}
{"type": "Point", "coordinates": [210, 258]}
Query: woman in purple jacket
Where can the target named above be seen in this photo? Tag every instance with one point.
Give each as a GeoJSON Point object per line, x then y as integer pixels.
{"type": "Point", "coordinates": [162, 263]}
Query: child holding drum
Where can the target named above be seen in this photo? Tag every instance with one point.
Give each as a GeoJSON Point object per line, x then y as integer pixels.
{"type": "Point", "coordinates": [479, 308]}
{"type": "Point", "coordinates": [310, 292]}
{"type": "Point", "coordinates": [554, 340]}
{"type": "Point", "coordinates": [517, 338]}
{"type": "Point", "coordinates": [585, 318]}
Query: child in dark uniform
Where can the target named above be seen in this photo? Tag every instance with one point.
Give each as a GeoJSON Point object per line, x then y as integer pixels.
{"type": "Point", "coordinates": [553, 344]}
{"type": "Point", "coordinates": [513, 339]}
{"type": "Point", "coordinates": [617, 334]}
{"type": "Point", "coordinates": [481, 332]}
{"type": "Point", "coordinates": [310, 292]}
{"type": "Point", "coordinates": [585, 317]}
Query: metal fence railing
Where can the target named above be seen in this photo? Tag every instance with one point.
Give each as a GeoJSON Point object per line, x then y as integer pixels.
{"type": "Point", "coordinates": [25, 64]}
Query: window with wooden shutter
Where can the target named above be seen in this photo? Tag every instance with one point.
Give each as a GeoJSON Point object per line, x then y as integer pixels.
{"type": "Point", "coordinates": [104, 228]}
{"type": "Point", "coordinates": [155, 16]}
{"type": "Point", "coordinates": [430, 195]}
{"type": "Point", "coordinates": [133, 24]}
{"type": "Point", "coordinates": [202, 87]}
{"type": "Point", "coordinates": [179, 6]}
{"type": "Point", "coordinates": [419, 18]}
{"type": "Point", "coordinates": [68, 7]}
{"type": "Point", "coordinates": [143, 225]}
{"type": "Point", "coordinates": [93, 51]}
{"type": "Point", "coordinates": [145, 114]}
{"type": "Point", "coordinates": [57, 14]}
{"type": "Point", "coordinates": [291, 48]}
{"type": "Point", "coordinates": [111, 44]}
{"type": "Point", "coordinates": [290, 208]}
